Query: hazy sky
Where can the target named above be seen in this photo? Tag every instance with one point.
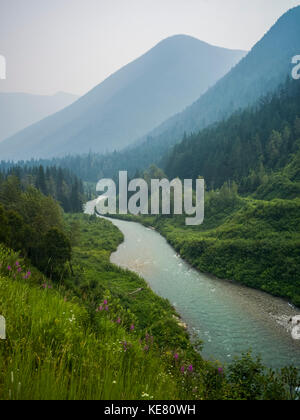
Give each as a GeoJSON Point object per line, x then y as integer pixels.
{"type": "Point", "coordinates": [72, 45]}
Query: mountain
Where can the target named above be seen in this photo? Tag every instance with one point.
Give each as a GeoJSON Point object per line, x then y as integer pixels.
{"type": "Point", "coordinates": [20, 110]}
{"type": "Point", "coordinates": [261, 71]}
{"type": "Point", "coordinates": [129, 103]}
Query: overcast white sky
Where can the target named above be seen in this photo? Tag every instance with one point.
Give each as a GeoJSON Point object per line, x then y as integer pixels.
{"type": "Point", "coordinates": [72, 45]}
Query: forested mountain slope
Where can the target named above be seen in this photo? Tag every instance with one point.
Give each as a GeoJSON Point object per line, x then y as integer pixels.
{"type": "Point", "coordinates": [247, 148]}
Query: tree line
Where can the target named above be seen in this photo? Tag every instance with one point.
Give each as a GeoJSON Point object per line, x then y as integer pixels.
{"type": "Point", "coordinates": [32, 203]}
{"type": "Point", "coordinates": [61, 184]}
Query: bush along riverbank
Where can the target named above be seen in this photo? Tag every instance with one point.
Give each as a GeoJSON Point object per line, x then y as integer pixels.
{"type": "Point", "coordinates": [88, 336]}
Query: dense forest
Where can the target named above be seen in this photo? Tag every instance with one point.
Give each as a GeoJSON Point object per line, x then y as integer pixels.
{"type": "Point", "coordinates": [252, 148]}
{"type": "Point", "coordinates": [31, 216]}
{"type": "Point", "coordinates": [33, 224]}
{"type": "Point", "coordinates": [258, 146]}
{"type": "Point", "coordinates": [93, 166]}
{"type": "Point", "coordinates": [60, 184]}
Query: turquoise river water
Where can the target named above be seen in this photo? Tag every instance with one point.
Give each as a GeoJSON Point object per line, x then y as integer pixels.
{"type": "Point", "coordinates": [227, 317]}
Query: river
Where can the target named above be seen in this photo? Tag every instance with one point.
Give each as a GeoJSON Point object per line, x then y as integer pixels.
{"type": "Point", "coordinates": [227, 317]}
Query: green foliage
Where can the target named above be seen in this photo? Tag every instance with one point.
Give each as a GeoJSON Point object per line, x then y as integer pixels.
{"type": "Point", "coordinates": [58, 183]}
{"type": "Point", "coordinates": [94, 275]}
{"type": "Point", "coordinates": [32, 223]}
{"type": "Point", "coordinates": [55, 252]}
{"type": "Point", "coordinates": [246, 148]}
{"type": "Point", "coordinates": [250, 379]}
{"type": "Point", "coordinates": [65, 346]}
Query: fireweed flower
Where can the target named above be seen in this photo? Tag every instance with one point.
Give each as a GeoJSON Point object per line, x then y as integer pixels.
{"type": "Point", "coordinates": [9, 268]}
{"type": "Point", "coordinates": [220, 370]}
{"type": "Point", "coordinates": [182, 369]}
{"type": "Point", "coordinates": [106, 308]}
{"type": "Point", "coordinates": [118, 321]}
{"type": "Point", "coordinates": [132, 327]}
{"type": "Point", "coordinates": [190, 368]}
{"type": "Point", "coordinates": [176, 356]}
{"type": "Point", "coordinates": [17, 263]}
{"type": "Point", "coordinates": [105, 302]}
{"type": "Point", "coordinates": [19, 270]}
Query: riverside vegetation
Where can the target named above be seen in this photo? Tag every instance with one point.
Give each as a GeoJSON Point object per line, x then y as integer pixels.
{"type": "Point", "coordinates": [79, 327]}
{"type": "Point", "coordinates": [253, 242]}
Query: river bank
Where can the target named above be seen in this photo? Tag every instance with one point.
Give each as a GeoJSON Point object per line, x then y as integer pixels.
{"type": "Point", "coordinates": [251, 242]}
{"type": "Point", "coordinates": [228, 317]}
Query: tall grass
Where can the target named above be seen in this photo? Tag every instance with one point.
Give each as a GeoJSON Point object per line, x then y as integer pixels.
{"type": "Point", "coordinates": [52, 352]}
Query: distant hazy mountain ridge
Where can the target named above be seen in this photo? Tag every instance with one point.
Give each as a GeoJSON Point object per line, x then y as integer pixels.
{"type": "Point", "coordinates": [20, 110]}
{"type": "Point", "coordinates": [129, 103]}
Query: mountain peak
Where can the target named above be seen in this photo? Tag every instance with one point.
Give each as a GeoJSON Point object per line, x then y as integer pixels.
{"type": "Point", "coordinates": [129, 103]}
{"type": "Point", "coordinates": [260, 72]}
{"type": "Point", "coordinates": [183, 40]}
